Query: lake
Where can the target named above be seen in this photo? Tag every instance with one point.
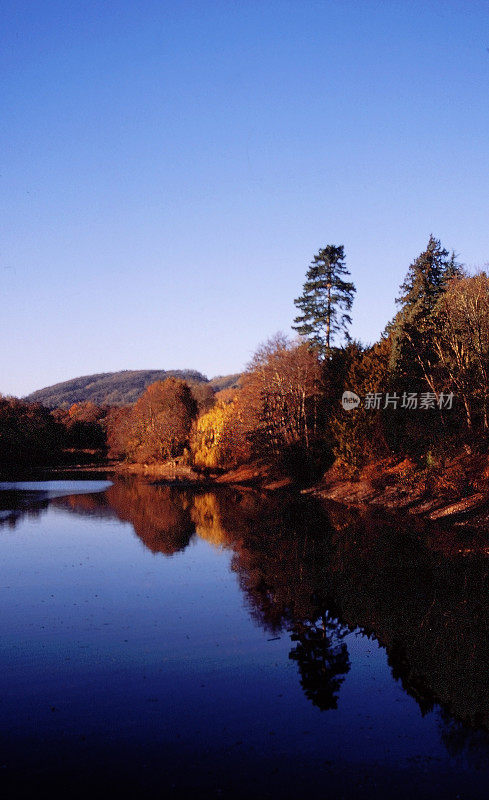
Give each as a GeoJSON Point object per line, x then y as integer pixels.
{"type": "Point", "coordinates": [224, 644]}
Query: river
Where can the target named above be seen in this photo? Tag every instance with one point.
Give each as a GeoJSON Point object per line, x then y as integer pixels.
{"type": "Point", "coordinates": [226, 644]}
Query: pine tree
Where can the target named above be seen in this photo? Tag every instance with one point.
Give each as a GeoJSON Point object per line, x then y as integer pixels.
{"type": "Point", "coordinates": [326, 300]}
{"type": "Point", "coordinates": [426, 279]}
{"type": "Point", "coordinates": [414, 327]}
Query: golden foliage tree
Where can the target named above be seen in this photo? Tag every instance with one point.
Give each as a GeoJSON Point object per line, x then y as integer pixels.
{"type": "Point", "coordinates": [210, 438]}
{"type": "Point", "coordinates": [275, 409]}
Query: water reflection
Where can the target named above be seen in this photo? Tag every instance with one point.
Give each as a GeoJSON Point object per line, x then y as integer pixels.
{"type": "Point", "coordinates": [18, 498]}
{"type": "Point", "coordinates": [280, 554]}
{"type": "Point", "coordinates": [317, 573]}
{"type": "Point", "coordinates": [322, 658]}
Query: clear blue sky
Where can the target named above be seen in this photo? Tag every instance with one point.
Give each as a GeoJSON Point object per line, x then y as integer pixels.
{"type": "Point", "coordinates": [168, 169]}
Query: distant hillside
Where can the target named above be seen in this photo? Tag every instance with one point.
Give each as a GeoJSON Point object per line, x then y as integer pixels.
{"type": "Point", "coordinates": [118, 388]}
{"type": "Point", "coordinates": [225, 381]}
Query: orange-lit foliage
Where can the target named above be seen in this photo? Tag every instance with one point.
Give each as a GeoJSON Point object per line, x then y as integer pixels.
{"type": "Point", "coordinates": [277, 407]}
{"type": "Point", "coordinates": [118, 423]}
{"type": "Point", "coordinates": [157, 428]}
{"type": "Point", "coordinates": [462, 345]}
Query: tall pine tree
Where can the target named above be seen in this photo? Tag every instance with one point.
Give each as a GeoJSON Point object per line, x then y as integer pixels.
{"type": "Point", "coordinates": [326, 300]}
{"type": "Point", "coordinates": [415, 325]}
{"type": "Point", "coordinates": [414, 363]}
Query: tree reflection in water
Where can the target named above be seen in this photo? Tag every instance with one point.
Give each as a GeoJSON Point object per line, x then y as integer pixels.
{"type": "Point", "coordinates": [317, 573]}
{"type": "Point", "coordinates": [280, 555]}
{"type": "Point", "coordinates": [322, 659]}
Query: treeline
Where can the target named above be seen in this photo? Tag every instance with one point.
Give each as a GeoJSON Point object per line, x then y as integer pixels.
{"type": "Point", "coordinates": [33, 438]}
{"type": "Point", "coordinates": [424, 386]}
{"type": "Point", "coordinates": [118, 388]}
{"type": "Point", "coordinates": [277, 413]}
{"type": "Point", "coordinates": [28, 437]}
{"type": "Point", "coordinates": [421, 391]}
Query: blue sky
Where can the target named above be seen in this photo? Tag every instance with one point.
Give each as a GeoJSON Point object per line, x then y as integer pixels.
{"type": "Point", "coordinates": [168, 170]}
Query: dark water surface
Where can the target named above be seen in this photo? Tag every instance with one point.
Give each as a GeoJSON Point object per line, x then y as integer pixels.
{"type": "Point", "coordinates": [223, 645]}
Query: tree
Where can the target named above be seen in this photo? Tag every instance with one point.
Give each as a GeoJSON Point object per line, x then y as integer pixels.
{"type": "Point", "coordinates": [29, 437]}
{"type": "Point", "coordinates": [463, 344]}
{"type": "Point", "coordinates": [158, 426]}
{"type": "Point", "coordinates": [276, 409]}
{"type": "Point", "coordinates": [414, 362]}
{"type": "Point", "coordinates": [84, 425]}
{"type": "Point", "coordinates": [118, 423]}
{"type": "Point", "coordinates": [358, 435]}
{"type": "Point", "coordinates": [326, 300]}
{"type": "Point", "coordinates": [209, 439]}
{"type": "Point", "coordinates": [287, 378]}
{"type": "Point", "coordinates": [414, 328]}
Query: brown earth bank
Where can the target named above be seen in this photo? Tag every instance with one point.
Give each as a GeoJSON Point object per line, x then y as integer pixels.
{"type": "Point", "coordinates": [258, 474]}
{"type": "Point", "coordinates": [452, 492]}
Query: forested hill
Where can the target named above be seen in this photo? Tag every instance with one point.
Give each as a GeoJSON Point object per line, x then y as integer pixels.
{"type": "Point", "coordinates": [118, 388]}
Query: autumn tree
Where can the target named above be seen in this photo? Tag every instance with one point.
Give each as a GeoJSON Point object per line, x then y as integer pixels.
{"type": "Point", "coordinates": [158, 426]}
{"type": "Point", "coordinates": [84, 425]}
{"type": "Point", "coordinates": [277, 409]}
{"type": "Point", "coordinates": [210, 441]}
{"type": "Point", "coordinates": [118, 424]}
{"type": "Point", "coordinates": [462, 345]}
{"type": "Point", "coordinates": [286, 377]}
{"type": "Point", "coordinates": [326, 300]}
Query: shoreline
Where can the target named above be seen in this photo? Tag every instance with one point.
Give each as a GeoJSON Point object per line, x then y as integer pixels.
{"type": "Point", "coordinates": [255, 475]}
{"type": "Point", "coordinates": [454, 496]}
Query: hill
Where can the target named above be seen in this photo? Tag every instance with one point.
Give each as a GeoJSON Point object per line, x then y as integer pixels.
{"type": "Point", "coordinates": [118, 388]}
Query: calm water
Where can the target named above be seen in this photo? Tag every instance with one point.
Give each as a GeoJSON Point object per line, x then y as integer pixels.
{"type": "Point", "coordinates": [220, 645]}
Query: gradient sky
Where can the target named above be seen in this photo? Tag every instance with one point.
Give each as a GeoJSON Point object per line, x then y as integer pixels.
{"type": "Point", "coordinates": [168, 169]}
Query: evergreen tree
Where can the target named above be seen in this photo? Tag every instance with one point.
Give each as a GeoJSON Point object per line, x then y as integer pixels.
{"type": "Point", "coordinates": [326, 300]}
{"type": "Point", "coordinates": [414, 362]}
{"type": "Point", "coordinates": [414, 327]}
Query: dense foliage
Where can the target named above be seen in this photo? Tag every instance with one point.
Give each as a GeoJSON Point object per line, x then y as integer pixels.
{"type": "Point", "coordinates": [157, 427]}
{"type": "Point", "coordinates": [429, 371]}
{"type": "Point", "coordinates": [29, 437]}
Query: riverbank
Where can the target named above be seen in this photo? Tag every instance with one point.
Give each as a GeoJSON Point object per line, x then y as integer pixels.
{"type": "Point", "coordinates": [453, 492]}
{"type": "Point", "coordinates": [257, 474]}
